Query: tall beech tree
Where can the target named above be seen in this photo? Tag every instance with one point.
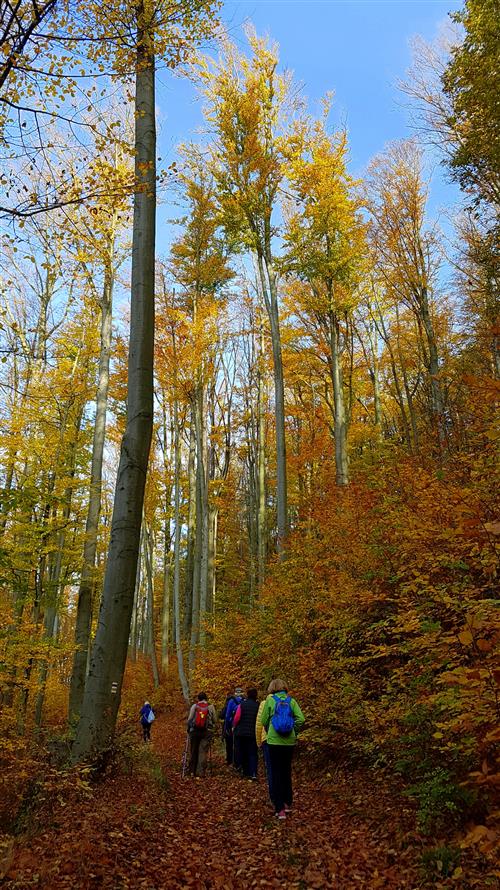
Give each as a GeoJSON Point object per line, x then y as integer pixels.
{"type": "Point", "coordinates": [97, 243]}
{"type": "Point", "coordinates": [407, 256]}
{"type": "Point", "coordinates": [324, 240]}
{"type": "Point", "coordinates": [200, 267]}
{"type": "Point", "coordinates": [169, 30]}
{"type": "Point", "coordinates": [246, 103]}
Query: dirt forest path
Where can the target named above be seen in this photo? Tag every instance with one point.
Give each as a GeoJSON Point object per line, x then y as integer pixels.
{"type": "Point", "coordinates": [145, 827]}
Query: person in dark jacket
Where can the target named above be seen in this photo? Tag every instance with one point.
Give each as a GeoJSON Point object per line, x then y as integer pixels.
{"type": "Point", "coordinates": [245, 743]}
{"type": "Point", "coordinates": [226, 715]}
{"type": "Point", "coordinates": [146, 717]}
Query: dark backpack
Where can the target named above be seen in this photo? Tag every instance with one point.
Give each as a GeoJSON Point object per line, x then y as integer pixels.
{"type": "Point", "coordinates": [283, 720]}
{"type": "Point", "coordinates": [201, 715]}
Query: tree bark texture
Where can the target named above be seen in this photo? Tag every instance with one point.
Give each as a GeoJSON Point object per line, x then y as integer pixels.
{"type": "Point", "coordinates": [85, 593]}
{"type": "Point", "coordinates": [270, 293]}
{"type": "Point", "coordinates": [103, 687]}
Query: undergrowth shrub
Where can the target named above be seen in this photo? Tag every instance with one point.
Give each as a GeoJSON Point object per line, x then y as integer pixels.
{"type": "Point", "coordinates": [382, 619]}
{"type": "Point", "coordinates": [442, 803]}
{"type": "Point", "coordinates": [440, 862]}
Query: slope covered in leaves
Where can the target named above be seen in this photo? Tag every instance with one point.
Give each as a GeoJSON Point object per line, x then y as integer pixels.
{"type": "Point", "coordinates": [143, 826]}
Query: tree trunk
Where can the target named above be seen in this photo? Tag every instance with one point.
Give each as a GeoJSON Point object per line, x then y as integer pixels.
{"type": "Point", "coordinates": [177, 555]}
{"type": "Point", "coordinates": [165, 611]}
{"type": "Point", "coordinates": [134, 629]}
{"type": "Point", "coordinates": [261, 460]}
{"type": "Point", "coordinates": [202, 518]}
{"type": "Point", "coordinates": [437, 401]}
{"type": "Point", "coordinates": [197, 559]}
{"type": "Point", "coordinates": [191, 535]}
{"type": "Point", "coordinates": [270, 293]}
{"type": "Point", "coordinates": [340, 422]}
{"type": "Point", "coordinates": [55, 574]}
{"type": "Point", "coordinates": [374, 374]}
{"type": "Point", "coordinates": [148, 560]}
{"type": "Point", "coordinates": [213, 515]}
{"type": "Point", "coordinates": [103, 688]}
{"type": "Point", "coordinates": [85, 594]}
{"type": "Point", "coordinates": [408, 392]}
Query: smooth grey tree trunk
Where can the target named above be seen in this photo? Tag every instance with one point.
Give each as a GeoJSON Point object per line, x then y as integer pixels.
{"type": "Point", "coordinates": [134, 629]}
{"type": "Point", "coordinates": [168, 462]}
{"type": "Point", "coordinates": [437, 400]}
{"type": "Point", "coordinates": [270, 293]}
{"type": "Point", "coordinates": [371, 355]}
{"type": "Point", "coordinates": [382, 329]}
{"type": "Point", "coordinates": [148, 561]}
{"type": "Point", "coordinates": [261, 460]}
{"type": "Point", "coordinates": [165, 610]}
{"type": "Point", "coordinates": [213, 517]}
{"type": "Point", "coordinates": [197, 559]}
{"type": "Point", "coordinates": [107, 664]}
{"type": "Point", "coordinates": [83, 621]}
{"type": "Point", "coordinates": [177, 556]}
{"type": "Point", "coordinates": [202, 517]}
{"type": "Point", "coordinates": [340, 421]}
{"type": "Point", "coordinates": [56, 583]}
{"type": "Point", "coordinates": [191, 535]}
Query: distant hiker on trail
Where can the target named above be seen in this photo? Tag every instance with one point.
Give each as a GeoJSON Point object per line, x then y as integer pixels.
{"type": "Point", "coordinates": [200, 725]}
{"type": "Point", "coordinates": [261, 739]}
{"type": "Point", "coordinates": [226, 714]}
{"type": "Point", "coordinates": [245, 744]}
{"type": "Point", "coordinates": [282, 719]}
{"type": "Point", "coordinates": [147, 715]}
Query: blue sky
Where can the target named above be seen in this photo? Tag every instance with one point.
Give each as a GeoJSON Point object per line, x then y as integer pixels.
{"type": "Point", "coordinates": [357, 48]}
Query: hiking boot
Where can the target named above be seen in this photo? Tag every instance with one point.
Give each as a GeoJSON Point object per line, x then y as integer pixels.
{"type": "Point", "coordinates": [280, 815]}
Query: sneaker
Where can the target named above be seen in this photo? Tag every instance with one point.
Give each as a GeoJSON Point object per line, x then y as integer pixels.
{"type": "Point", "coordinates": [287, 809]}
{"type": "Point", "coordinates": [280, 815]}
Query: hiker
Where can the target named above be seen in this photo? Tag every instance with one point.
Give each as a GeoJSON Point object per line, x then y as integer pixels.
{"type": "Point", "coordinates": [200, 726]}
{"type": "Point", "coordinates": [261, 740]}
{"type": "Point", "coordinates": [245, 744]}
{"type": "Point", "coordinates": [282, 719]}
{"type": "Point", "coordinates": [226, 715]}
{"type": "Point", "coordinates": [147, 715]}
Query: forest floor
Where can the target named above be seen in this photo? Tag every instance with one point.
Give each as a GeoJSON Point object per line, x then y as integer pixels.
{"type": "Point", "coordinates": [143, 826]}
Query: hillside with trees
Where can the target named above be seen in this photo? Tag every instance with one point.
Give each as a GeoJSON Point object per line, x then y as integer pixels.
{"type": "Point", "coordinates": [249, 414]}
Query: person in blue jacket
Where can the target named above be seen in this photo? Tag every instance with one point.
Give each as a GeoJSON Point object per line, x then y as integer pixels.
{"type": "Point", "coordinates": [147, 715]}
{"type": "Point", "coordinates": [227, 714]}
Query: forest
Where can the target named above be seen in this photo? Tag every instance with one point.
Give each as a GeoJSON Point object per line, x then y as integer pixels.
{"type": "Point", "coordinates": [249, 429]}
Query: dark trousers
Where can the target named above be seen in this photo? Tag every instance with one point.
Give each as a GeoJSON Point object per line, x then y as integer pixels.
{"type": "Point", "coordinates": [245, 754]}
{"type": "Point", "coordinates": [199, 744]}
{"type": "Point", "coordinates": [236, 754]}
{"type": "Point", "coordinates": [267, 761]}
{"type": "Point", "coordinates": [228, 738]}
{"type": "Point", "coordinates": [146, 730]}
{"type": "Point", "coordinates": [281, 770]}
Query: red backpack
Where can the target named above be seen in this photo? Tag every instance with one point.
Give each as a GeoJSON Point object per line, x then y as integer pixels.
{"type": "Point", "coordinates": [201, 715]}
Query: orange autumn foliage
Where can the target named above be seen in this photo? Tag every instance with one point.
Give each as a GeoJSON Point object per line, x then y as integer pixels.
{"type": "Point", "coordinates": [382, 619]}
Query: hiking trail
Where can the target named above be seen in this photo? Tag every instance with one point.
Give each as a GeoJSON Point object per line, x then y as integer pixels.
{"type": "Point", "coordinates": [144, 826]}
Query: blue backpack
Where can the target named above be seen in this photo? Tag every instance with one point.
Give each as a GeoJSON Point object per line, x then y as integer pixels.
{"type": "Point", "coordinates": [283, 720]}
{"type": "Point", "coordinates": [231, 709]}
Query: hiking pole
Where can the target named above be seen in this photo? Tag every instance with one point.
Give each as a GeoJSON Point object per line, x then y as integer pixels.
{"type": "Point", "coordinates": [184, 758]}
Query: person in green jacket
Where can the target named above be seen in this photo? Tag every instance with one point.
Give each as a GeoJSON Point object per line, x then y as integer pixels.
{"type": "Point", "coordinates": [282, 719]}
